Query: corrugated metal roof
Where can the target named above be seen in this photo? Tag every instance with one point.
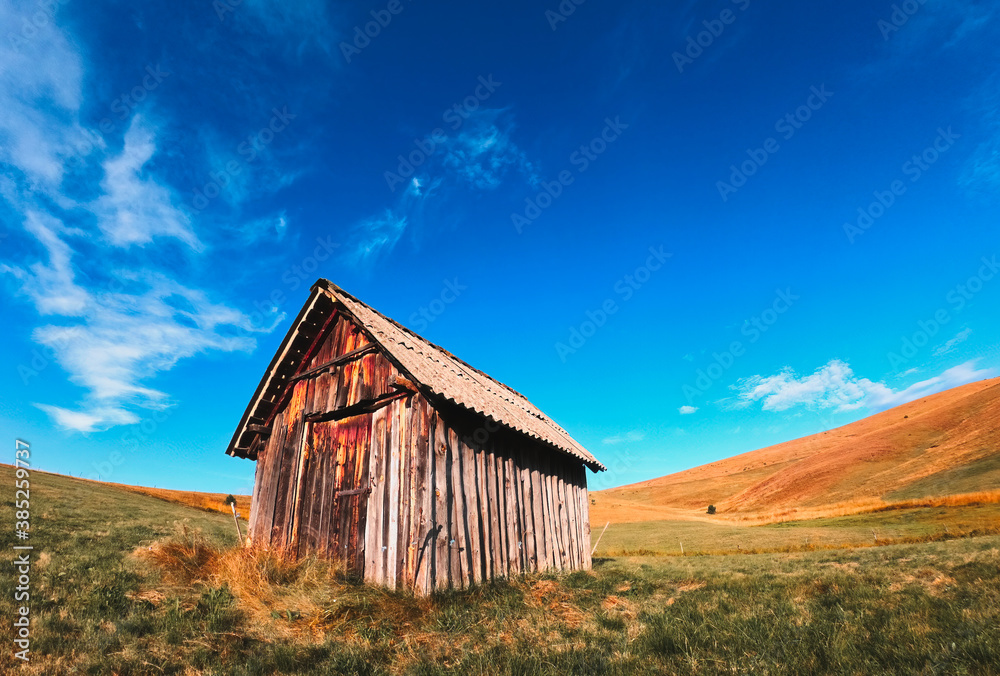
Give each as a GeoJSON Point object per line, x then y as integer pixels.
{"type": "Point", "coordinates": [448, 376]}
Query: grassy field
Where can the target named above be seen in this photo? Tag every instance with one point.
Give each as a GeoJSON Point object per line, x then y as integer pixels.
{"type": "Point", "coordinates": [721, 537]}
{"type": "Point", "coordinates": [123, 583]}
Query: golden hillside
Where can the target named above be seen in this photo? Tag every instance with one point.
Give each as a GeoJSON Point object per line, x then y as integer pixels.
{"type": "Point", "coordinates": [943, 445]}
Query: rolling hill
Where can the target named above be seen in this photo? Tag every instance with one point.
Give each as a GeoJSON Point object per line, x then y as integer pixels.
{"type": "Point", "coordinates": [946, 444]}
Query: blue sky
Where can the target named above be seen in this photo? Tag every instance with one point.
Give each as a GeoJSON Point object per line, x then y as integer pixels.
{"type": "Point", "coordinates": [684, 231]}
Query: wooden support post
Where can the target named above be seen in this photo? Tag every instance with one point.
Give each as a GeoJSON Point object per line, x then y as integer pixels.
{"type": "Point", "coordinates": [239, 533]}
{"type": "Point", "coordinates": [599, 538]}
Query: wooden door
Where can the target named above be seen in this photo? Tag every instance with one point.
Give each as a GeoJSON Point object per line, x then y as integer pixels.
{"type": "Point", "coordinates": [335, 490]}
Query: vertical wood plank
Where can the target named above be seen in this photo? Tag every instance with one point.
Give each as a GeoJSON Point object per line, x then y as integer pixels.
{"type": "Point", "coordinates": [563, 516]}
{"type": "Point", "coordinates": [373, 526]}
{"type": "Point", "coordinates": [395, 468]}
{"type": "Point", "coordinates": [442, 506]}
{"type": "Point", "coordinates": [427, 557]}
{"type": "Point", "coordinates": [403, 548]}
{"type": "Point", "coordinates": [486, 533]}
{"type": "Point", "coordinates": [569, 510]}
{"type": "Point", "coordinates": [473, 521]}
{"type": "Point", "coordinates": [585, 524]}
{"type": "Point", "coordinates": [461, 511]}
{"type": "Point", "coordinates": [419, 524]}
{"type": "Point", "coordinates": [528, 509]}
{"type": "Point", "coordinates": [387, 461]}
{"type": "Point", "coordinates": [552, 516]}
{"type": "Point", "coordinates": [355, 474]}
{"type": "Point", "coordinates": [514, 543]}
{"type": "Point", "coordinates": [311, 503]}
{"type": "Point", "coordinates": [496, 515]}
{"type": "Point", "coordinates": [541, 534]}
{"type": "Point", "coordinates": [262, 500]}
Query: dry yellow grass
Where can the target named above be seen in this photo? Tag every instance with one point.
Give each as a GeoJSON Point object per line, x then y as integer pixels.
{"type": "Point", "coordinates": [265, 582]}
{"type": "Point", "coordinates": [212, 502]}
{"type": "Point", "coordinates": [309, 600]}
{"type": "Point", "coordinates": [863, 507]}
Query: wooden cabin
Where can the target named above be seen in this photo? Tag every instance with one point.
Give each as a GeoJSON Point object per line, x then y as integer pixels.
{"type": "Point", "coordinates": [381, 449]}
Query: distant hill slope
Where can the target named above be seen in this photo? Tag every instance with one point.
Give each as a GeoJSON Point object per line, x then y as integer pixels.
{"type": "Point", "coordinates": [945, 444]}
{"type": "Point", "coordinates": [213, 502]}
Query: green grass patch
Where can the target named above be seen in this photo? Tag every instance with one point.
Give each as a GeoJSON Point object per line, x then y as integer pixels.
{"type": "Point", "coordinates": [103, 602]}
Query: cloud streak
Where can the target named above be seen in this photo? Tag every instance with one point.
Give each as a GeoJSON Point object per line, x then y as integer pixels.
{"type": "Point", "coordinates": [89, 253]}
{"type": "Point", "coordinates": [478, 157]}
{"type": "Point", "coordinates": [632, 436]}
{"type": "Point", "coordinates": [835, 386]}
{"type": "Point", "coordinates": [959, 338]}
{"type": "Point", "coordinates": [134, 208]}
{"type": "Point", "coordinates": [140, 327]}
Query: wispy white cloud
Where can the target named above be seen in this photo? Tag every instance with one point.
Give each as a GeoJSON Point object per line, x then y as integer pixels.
{"type": "Point", "coordinates": [950, 345]}
{"type": "Point", "coordinates": [834, 386]}
{"type": "Point", "coordinates": [961, 30]}
{"type": "Point", "coordinates": [121, 334]}
{"type": "Point", "coordinates": [40, 95]}
{"type": "Point", "coordinates": [934, 27]}
{"type": "Point", "coordinates": [111, 332]}
{"type": "Point", "coordinates": [687, 410]}
{"type": "Point", "coordinates": [136, 207]}
{"type": "Point", "coordinates": [981, 173]}
{"type": "Point", "coordinates": [479, 156]}
{"type": "Point", "coordinates": [482, 153]}
{"type": "Point", "coordinates": [377, 235]}
{"type": "Point", "coordinates": [50, 284]}
{"type": "Point", "coordinates": [627, 437]}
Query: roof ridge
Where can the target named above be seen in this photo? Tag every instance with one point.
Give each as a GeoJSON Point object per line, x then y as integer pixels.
{"type": "Point", "coordinates": [438, 347]}
{"type": "Point", "coordinates": [428, 363]}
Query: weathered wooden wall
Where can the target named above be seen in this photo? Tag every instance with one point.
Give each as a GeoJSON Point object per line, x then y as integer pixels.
{"type": "Point", "coordinates": [409, 493]}
{"type": "Point", "coordinates": [474, 502]}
